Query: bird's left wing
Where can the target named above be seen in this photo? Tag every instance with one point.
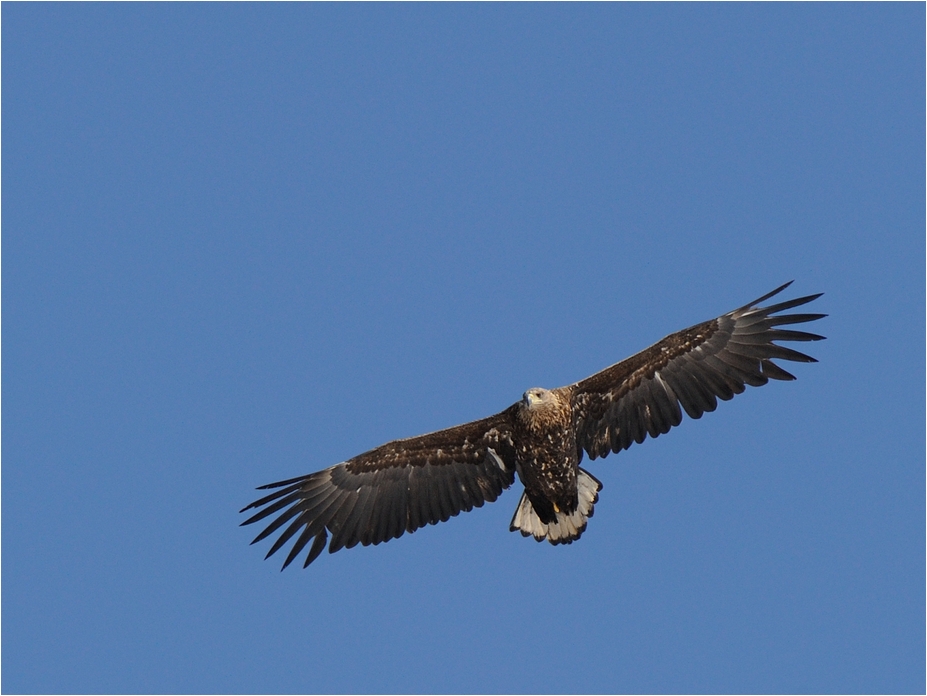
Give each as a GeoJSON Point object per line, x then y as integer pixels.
{"type": "Point", "coordinates": [692, 368]}
{"type": "Point", "coordinates": [395, 488]}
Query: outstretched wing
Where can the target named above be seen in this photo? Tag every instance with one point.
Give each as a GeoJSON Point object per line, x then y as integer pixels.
{"type": "Point", "coordinates": [642, 395]}
{"type": "Point", "coordinates": [395, 488]}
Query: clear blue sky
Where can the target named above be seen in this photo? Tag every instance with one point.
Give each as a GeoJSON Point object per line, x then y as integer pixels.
{"type": "Point", "coordinates": [245, 242]}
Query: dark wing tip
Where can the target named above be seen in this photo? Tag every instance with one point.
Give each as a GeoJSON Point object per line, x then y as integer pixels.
{"type": "Point", "coordinates": [278, 484]}
{"type": "Point", "coordinates": [788, 304]}
{"type": "Point", "coordinates": [291, 485]}
{"type": "Point", "coordinates": [766, 296]}
{"type": "Point", "coordinates": [783, 305]}
{"type": "Point", "coordinates": [317, 546]}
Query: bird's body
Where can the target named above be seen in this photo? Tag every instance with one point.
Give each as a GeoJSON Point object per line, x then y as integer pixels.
{"type": "Point", "coordinates": [405, 484]}
{"type": "Point", "coordinates": [545, 457]}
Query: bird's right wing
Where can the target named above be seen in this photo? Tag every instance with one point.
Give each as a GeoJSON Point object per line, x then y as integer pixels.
{"type": "Point", "coordinates": [692, 368]}
{"type": "Point", "coordinates": [395, 488]}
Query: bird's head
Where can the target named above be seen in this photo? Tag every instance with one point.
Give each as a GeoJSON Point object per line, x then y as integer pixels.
{"type": "Point", "coordinates": [537, 397]}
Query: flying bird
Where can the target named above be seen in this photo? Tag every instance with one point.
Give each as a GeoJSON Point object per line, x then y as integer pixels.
{"type": "Point", "coordinates": [405, 484]}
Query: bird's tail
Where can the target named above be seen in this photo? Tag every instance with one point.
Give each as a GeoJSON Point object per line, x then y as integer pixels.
{"type": "Point", "coordinates": [566, 527]}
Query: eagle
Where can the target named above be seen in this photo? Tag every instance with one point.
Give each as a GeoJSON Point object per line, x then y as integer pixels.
{"type": "Point", "coordinates": [406, 484]}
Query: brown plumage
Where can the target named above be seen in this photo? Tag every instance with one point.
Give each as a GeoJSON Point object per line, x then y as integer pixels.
{"type": "Point", "coordinates": [406, 484]}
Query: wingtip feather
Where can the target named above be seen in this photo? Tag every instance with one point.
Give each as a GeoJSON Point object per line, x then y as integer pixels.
{"type": "Point", "coordinates": [766, 296]}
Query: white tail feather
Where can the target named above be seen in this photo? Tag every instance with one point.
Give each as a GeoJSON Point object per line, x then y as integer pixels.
{"type": "Point", "coordinates": [566, 527]}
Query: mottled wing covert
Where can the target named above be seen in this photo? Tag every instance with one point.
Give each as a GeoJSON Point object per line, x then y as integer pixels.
{"type": "Point", "coordinates": [395, 488]}
{"type": "Point", "coordinates": [693, 368]}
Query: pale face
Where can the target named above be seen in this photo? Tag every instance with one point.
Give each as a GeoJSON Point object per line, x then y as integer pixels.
{"type": "Point", "coordinates": [537, 396]}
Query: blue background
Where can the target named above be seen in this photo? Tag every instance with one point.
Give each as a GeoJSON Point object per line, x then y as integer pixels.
{"type": "Point", "coordinates": [246, 242]}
